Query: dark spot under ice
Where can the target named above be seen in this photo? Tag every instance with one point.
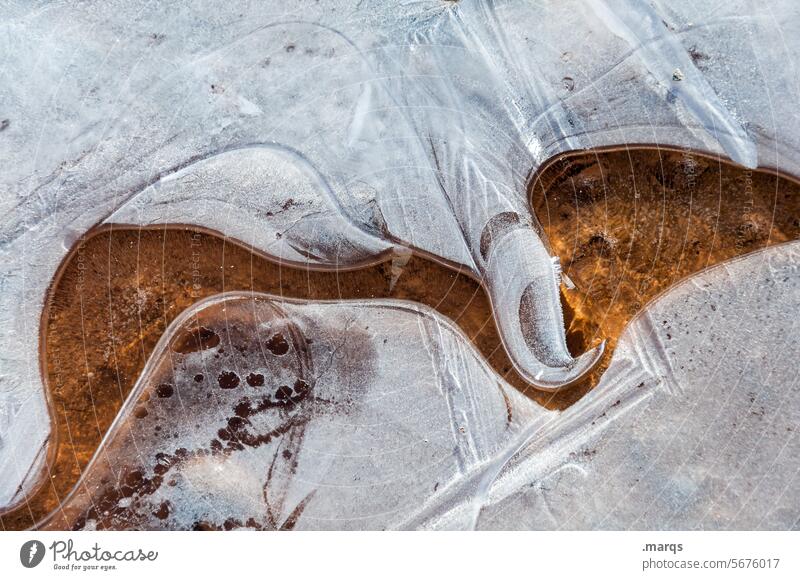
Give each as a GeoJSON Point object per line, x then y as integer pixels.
{"type": "Point", "coordinates": [195, 339]}
{"type": "Point", "coordinates": [277, 345]}
{"type": "Point", "coordinates": [228, 380]}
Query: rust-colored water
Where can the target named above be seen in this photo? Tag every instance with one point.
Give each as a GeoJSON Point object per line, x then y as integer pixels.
{"type": "Point", "coordinates": [629, 224]}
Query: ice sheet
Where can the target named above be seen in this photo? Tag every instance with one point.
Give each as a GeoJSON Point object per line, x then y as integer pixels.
{"type": "Point", "coordinates": [376, 415]}
{"type": "Point", "coordinates": [361, 127]}
{"type": "Point", "coordinates": [262, 413]}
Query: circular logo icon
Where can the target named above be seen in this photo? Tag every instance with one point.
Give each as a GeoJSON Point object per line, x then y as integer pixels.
{"type": "Point", "coordinates": [31, 553]}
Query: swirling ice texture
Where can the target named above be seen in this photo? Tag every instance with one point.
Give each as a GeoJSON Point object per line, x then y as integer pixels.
{"type": "Point", "coordinates": [410, 125]}
{"type": "Point", "coordinates": [375, 415]}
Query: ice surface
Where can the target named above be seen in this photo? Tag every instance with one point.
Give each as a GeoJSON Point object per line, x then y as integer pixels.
{"type": "Point", "coordinates": [375, 415]}
{"type": "Point", "coordinates": [695, 425]}
{"type": "Point", "coordinates": [262, 413]}
{"type": "Point", "coordinates": [331, 133]}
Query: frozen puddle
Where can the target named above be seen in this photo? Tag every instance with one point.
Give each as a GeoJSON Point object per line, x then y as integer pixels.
{"type": "Point", "coordinates": [330, 135]}
{"type": "Point", "coordinates": [263, 413]}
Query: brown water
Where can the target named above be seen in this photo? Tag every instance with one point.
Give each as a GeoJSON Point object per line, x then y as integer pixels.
{"type": "Point", "coordinates": [626, 225]}
{"type": "Point", "coordinates": [629, 224]}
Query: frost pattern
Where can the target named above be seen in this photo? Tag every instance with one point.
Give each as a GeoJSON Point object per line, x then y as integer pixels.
{"type": "Point", "coordinates": [333, 133]}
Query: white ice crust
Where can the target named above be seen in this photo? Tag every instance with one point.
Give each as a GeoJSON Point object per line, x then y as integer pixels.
{"type": "Point", "coordinates": [351, 129]}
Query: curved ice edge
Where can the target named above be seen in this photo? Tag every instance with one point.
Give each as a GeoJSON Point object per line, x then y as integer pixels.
{"type": "Point", "coordinates": [185, 317]}
{"type": "Point", "coordinates": [634, 375]}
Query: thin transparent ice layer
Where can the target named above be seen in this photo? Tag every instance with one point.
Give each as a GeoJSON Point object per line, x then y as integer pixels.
{"type": "Point", "coordinates": [330, 133]}
{"type": "Point", "coordinates": [262, 413]}
{"type": "Point", "coordinates": [375, 415]}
